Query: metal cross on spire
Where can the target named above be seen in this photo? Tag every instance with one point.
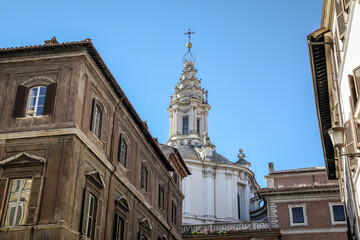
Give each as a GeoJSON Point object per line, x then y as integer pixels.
{"type": "Point", "coordinates": [189, 32]}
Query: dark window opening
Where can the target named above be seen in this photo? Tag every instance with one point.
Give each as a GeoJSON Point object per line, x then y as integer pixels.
{"type": "Point", "coordinates": [185, 126]}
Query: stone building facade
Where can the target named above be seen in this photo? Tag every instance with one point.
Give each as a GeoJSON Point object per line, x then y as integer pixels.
{"type": "Point", "coordinates": [335, 66]}
{"type": "Point", "coordinates": [76, 161]}
{"type": "Point", "coordinates": [304, 204]}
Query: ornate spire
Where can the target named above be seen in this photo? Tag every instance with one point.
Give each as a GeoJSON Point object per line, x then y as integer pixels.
{"type": "Point", "coordinates": [189, 56]}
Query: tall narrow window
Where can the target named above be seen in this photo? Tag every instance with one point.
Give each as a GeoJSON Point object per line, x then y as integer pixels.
{"type": "Point", "coordinates": [239, 206]}
{"type": "Point", "coordinates": [173, 212]}
{"type": "Point", "coordinates": [18, 202]}
{"type": "Point", "coordinates": [122, 150]}
{"type": "Point", "coordinates": [298, 215]}
{"type": "Point", "coordinates": [161, 197]}
{"type": "Point", "coordinates": [185, 125]}
{"type": "Point", "coordinates": [198, 126]}
{"type": "Point", "coordinates": [97, 122]}
{"type": "Point", "coordinates": [36, 100]}
{"type": "Point", "coordinates": [144, 177]}
{"type": "Point", "coordinates": [120, 227]}
{"type": "Point", "coordinates": [90, 217]}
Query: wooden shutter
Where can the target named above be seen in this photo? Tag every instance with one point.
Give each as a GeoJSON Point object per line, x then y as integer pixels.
{"type": "Point", "coordinates": [98, 219]}
{"type": "Point", "coordinates": [20, 102]}
{"type": "Point", "coordinates": [340, 14]}
{"type": "Point", "coordinates": [93, 111]}
{"type": "Point", "coordinates": [49, 99]}
{"type": "Point", "coordinates": [353, 91]}
{"type": "Point", "coordinates": [356, 73]}
{"type": "Point", "coordinates": [85, 210]}
{"type": "Point", "coordinates": [347, 4]}
{"type": "Point", "coordinates": [349, 137]}
{"type": "Point", "coordinates": [3, 190]}
{"type": "Point", "coordinates": [34, 201]}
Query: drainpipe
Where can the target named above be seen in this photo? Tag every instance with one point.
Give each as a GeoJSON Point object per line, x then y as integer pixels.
{"type": "Point", "coordinates": [113, 171]}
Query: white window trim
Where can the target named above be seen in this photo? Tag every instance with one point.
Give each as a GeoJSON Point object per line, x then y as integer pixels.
{"type": "Point", "coordinates": [291, 206]}
{"type": "Point", "coordinates": [333, 222]}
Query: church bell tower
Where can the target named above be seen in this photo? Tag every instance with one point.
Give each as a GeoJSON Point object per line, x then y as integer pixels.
{"type": "Point", "coordinates": [189, 108]}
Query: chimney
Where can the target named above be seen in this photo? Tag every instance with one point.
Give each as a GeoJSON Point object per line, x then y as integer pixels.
{"type": "Point", "coordinates": [271, 167]}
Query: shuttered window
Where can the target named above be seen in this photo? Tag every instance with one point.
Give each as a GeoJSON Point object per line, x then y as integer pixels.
{"type": "Point", "coordinates": [92, 213]}
{"type": "Point", "coordinates": [21, 202]}
{"type": "Point", "coordinates": [340, 15]}
{"type": "Point", "coordinates": [36, 101]}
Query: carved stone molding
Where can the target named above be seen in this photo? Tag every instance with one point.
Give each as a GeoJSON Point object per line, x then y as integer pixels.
{"type": "Point", "coordinates": [228, 175]}
{"type": "Point", "coordinates": [208, 173]}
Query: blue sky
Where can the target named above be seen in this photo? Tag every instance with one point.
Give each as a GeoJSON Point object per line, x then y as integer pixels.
{"type": "Point", "coordinates": [251, 55]}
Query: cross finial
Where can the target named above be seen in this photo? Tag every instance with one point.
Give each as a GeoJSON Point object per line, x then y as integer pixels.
{"type": "Point", "coordinates": [189, 32]}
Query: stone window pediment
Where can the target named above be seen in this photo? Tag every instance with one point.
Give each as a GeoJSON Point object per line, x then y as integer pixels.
{"type": "Point", "coordinates": [144, 221]}
{"type": "Point", "coordinates": [123, 202]}
{"type": "Point", "coordinates": [22, 159]}
{"type": "Point", "coordinates": [95, 177]}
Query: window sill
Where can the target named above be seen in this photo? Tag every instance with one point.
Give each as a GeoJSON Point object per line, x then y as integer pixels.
{"type": "Point", "coordinates": [338, 223]}
{"type": "Point", "coordinates": [101, 141]}
{"type": "Point", "coordinates": [298, 224]}
{"type": "Point", "coordinates": [33, 117]}
{"type": "Point", "coordinates": [120, 166]}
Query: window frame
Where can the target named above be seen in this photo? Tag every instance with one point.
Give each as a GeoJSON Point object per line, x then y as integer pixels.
{"type": "Point", "coordinates": [97, 121]}
{"type": "Point", "coordinates": [7, 204]}
{"type": "Point", "coordinates": [144, 176]}
{"type": "Point", "coordinates": [333, 221]}
{"type": "Point", "coordinates": [185, 131]}
{"type": "Point", "coordinates": [91, 234]}
{"type": "Point", "coordinates": [21, 102]}
{"type": "Point", "coordinates": [161, 197]}
{"type": "Point", "coordinates": [36, 104]}
{"type": "Point", "coordinates": [123, 147]}
{"type": "Point", "coordinates": [303, 206]}
{"type": "Point", "coordinates": [174, 214]}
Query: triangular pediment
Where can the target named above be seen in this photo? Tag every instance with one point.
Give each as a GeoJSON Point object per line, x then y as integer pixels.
{"type": "Point", "coordinates": [96, 178]}
{"type": "Point", "coordinates": [122, 202]}
{"type": "Point", "coordinates": [145, 222]}
{"type": "Point", "coordinates": [22, 159]}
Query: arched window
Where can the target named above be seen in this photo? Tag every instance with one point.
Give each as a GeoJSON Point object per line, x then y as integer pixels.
{"type": "Point", "coordinates": [144, 177]}
{"type": "Point", "coordinates": [122, 150]}
{"type": "Point", "coordinates": [36, 100]}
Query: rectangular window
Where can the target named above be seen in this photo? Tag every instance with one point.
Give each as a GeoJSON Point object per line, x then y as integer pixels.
{"type": "Point", "coordinates": [337, 213]}
{"type": "Point", "coordinates": [18, 202]}
{"type": "Point", "coordinates": [173, 212]}
{"type": "Point", "coordinates": [120, 228]}
{"type": "Point", "coordinates": [198, 126]}
{"type": "Point", "coordinates": [122, 150]}
{"type": "Point", "coordinates": [161, 197]}
{"type": "Point", "coordinates": [297, 214]}
{"type": "Point", "coordinates": [91, 217]}
{"type": "Point", "coordinates": [144, 177]}
{"type": "Point", "coordinates": [185, 126]}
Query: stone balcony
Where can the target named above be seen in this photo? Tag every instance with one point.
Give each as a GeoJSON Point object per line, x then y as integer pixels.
{"type": "Point", "coordinates": [225, 227]}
